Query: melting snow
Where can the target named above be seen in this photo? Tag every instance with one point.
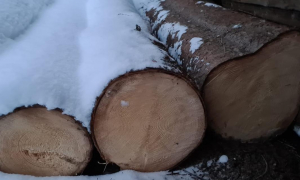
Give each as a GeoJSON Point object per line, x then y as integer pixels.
{"type": "Point", "coordinates": [195, 44]}
{"type": "Point", "coordinates": [223, 159]}
{"type": "Point", "coordinates": [212, 5]}
{"type": "Point", "coordinates": [124, 103]}
{"type": "Point", "coordinates": [236, 26]}
{"type": "Point", "coordinates": [297, 130]}
{"type": "Point", "coordinates": [208, 4]}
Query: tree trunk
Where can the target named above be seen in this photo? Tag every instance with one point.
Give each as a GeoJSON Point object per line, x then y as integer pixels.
{"type": "Point", "coordinates": [148, 120]}
{"type": "Point", "coordinates": [278, 11]}
{"type": "Point", "coordinates": [38, 142]}
{"type": "Point", "coordinates": [247, 68]}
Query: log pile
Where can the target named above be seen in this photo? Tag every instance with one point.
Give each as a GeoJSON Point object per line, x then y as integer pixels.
{"type": "Point", "coordinates": [246, 67]}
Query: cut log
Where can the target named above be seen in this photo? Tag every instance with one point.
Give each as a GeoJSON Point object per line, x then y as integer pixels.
{"type": "Point", "coordinates": [38, 142]}
{"type": "Point", "coordinates": [246, 67]}
{"type": "Point", "coordinates": [284, 12]}
{"type": "Point", "coordinates": [148, 121]}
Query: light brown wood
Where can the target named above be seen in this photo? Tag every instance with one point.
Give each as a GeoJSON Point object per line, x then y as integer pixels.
{"type": "Point", "coordinates": [239, 93]}
{"type": "Point", "coordinates": [35, 141]}
{"type": "Point", "coordinates": [256, 96]}
{"type": "Point", "coordinates": [148, 121]}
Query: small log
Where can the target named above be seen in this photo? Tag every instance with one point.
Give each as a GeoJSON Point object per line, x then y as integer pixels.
{"type": "Point", "coordinates": [246, 67]}
{"type": "Point", "coordinates": [284, 12]}
{"type": "Point", "coordinates": [148, 121]}
{"type": "Point", "coordinates": [38, 142]}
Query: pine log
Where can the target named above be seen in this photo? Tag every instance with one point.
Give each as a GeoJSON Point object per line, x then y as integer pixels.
{"type": "Point", "coordinates": [247, 68]}
{"type": "Point", "coordinates": [148, 121]}
{"type": "Point", "coordinates": [284, 12]}
{"type": "Point", "coordinates": [38, 142]}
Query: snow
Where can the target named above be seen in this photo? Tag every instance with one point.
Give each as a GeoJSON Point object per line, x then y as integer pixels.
{"type": "Point", "coordinates": [212, 5]}
{"type": "Point", "coordinates": [65, 60]}
{"type": "Point", "coordinates": [236, 26]}
{"type": "Point", "coordinates": [223, 159]}
{"type": "Point", "coordinates": [208, 4]}
{"type": "Point", "coordinates": [196, 42]}
{"type": "Point", "coordinates": [16, 16]}
{"type": "Point", "coordinates": [173, 29]}
{"type": "Point", "coordinates": [124, 103]}
{"type": "Point", "coordinates": [123, 175]}
{"type": "Point", "coordinates": [209, 163]}
{"type": "Point", "coordinates": [200, 2]}
{"type": "Point", "coordinates": [297, 130]}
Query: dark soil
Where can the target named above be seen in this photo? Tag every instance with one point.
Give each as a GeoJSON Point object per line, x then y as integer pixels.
{"type": "Point", "coordinates": [278, 159]}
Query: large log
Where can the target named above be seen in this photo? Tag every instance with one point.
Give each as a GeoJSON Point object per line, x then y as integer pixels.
{"type": "Point", "coordinates": [148, 121]}
{"type": "Point", "coordinates": [247, 68]}
{"type": "Point", "coordinates": [38, 142]}
{"type": "Point", "coordinates": [286, 4]}
{"type": "Point", "coordinates": [284, 12]}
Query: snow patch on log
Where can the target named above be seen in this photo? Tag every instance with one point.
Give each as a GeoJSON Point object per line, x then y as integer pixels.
{"type": "Point", "coordinates": [195, 44]}
{"type": "Point", "coordinates": [223, 159]}
{"type": "Point", "coordinates": [236, 26]}
{"type": "Point", "coordinates": [208, 4]}
{"type": "Point", "coordinates": [173, 29]}
{"type": "Point", "coordinates": [175, 51]}
{"type": "Point", "coordinates": [162, 15]}
{"type": "Point", "coordinates": [297, 130]}
{"type": "Point", "coordinates": [124, 103]}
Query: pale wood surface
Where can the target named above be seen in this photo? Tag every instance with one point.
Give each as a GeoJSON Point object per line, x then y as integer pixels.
{"type": "Point", "coordinates": [148, 121]}
{"type": "Point", "coordinates": [256, 96]}
{"type": "Point", "coordinates": [35, 141]}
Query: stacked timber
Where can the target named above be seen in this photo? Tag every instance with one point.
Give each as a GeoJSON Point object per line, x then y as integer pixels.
{"type": "Point", "coordinates": [246, 67]}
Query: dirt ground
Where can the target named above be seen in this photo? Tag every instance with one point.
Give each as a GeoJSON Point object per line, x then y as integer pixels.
{"type": "Point", "coordinates": [278, 159]}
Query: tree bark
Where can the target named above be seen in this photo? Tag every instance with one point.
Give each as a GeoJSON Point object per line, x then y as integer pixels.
{"type": "Point", "coordinates": [38, 142]}
{"type": "Point", "coordinates": [148, 121]}
{"type": "Point", "coordinates": [282, 12]}
{"type": "Point", "coordinates": [246, 67]}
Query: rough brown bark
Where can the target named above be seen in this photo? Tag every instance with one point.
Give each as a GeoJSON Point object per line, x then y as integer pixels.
{"type": "Point", "coordinates": [229, 35]}
{"type": "Point", "coordinates": [148, 121]}
{"type": "Point", "coordinates": [38, 142]}
{"type": "Point", "coordinates": [282, 4]}
{"type": "Point", "coordinates": [283, 12]}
